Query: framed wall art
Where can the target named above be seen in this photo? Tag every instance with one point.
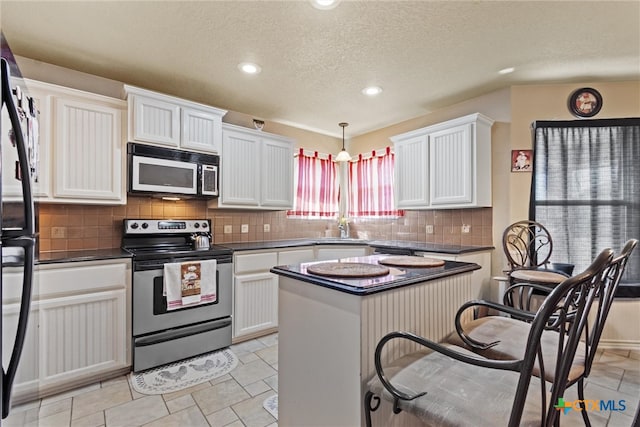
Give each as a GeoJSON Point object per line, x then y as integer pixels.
{"type": "Point", "coordinates": [521, 160]}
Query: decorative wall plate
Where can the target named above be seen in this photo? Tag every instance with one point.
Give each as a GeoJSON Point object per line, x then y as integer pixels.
{"type": "Point", "coordinates": [585, 102]}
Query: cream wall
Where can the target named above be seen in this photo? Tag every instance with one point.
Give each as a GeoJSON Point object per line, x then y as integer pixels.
{"type": "Point", "coordinates": [514, 110]}
{"type": "Point", "coordinates": [549, 102]}
{"type": "Point", "coordinates": [494, 105]}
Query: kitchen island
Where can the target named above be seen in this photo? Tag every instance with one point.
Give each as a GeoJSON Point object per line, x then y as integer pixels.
{"type": "Point", "coordinates": [329, 327]}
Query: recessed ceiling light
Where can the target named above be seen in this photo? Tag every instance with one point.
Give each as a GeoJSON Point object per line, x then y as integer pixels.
{"type": "Point", "coordinates": [372, 90]}
{"type": "Point", "coordinates": [249, 68]}
{"type": "Point", "coordinates": [507, 70]}
{"type": "Point", "coordinates": [324, 4]}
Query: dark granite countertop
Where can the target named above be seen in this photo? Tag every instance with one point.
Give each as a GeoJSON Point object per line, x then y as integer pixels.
{"type": "Point", "coordinates": [84, 255]}
{"type": "Point", "coordinates": [113, 253]}
{"type": "Point", "coordinates": [268, 244]}
{"type": "Point", "coordinates": [427, 247]}
{"type": "Point", "coordinates": [389, 244]}
{"type": "Point", "coordinates": [397, 277]}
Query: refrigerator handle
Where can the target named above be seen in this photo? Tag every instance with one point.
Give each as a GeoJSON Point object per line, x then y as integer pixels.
{"type": "Point", "coordinates": [28, 243]}
{"type": "Point", "coordinates": [23, 158]}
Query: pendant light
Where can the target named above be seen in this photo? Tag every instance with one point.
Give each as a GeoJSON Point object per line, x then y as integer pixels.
{"type": "Point", "coordinates": [343, 156]}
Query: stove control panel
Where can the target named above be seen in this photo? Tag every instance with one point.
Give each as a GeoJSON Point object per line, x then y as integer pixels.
{"type": "Point", "coordinates": [166, 226]}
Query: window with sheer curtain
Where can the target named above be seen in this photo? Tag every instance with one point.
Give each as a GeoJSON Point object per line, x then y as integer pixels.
{"type": "Point", "coordinates": [586, 188]}
{"type": "Point", "coordinates": [316, 187]}
{"type": "Point", "coordinates": [371, 186]}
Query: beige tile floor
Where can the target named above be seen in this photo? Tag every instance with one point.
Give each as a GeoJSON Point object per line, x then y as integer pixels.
{"type": "Point", "coordinates": [235, 399]}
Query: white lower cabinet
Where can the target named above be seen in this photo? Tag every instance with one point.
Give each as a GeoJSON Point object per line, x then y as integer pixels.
{"type": "Point", "coordinates": [328, 252]}
{"type": "Point", "coordinates": [256, 303]}
{"type": "Point", "coordinates": [81, 335]}
{"type": "Point", "coordinates": [79, 325]}
{"type": "Point", "coordinates": [255, 306]}
{"type": "Point", "coordinates": [296, 256]}
{"type": "Point", "coordinates": [255, 296]}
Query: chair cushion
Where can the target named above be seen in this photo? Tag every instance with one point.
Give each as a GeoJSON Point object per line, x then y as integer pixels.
{"type": "Point", "coordinates": [513, 336]}
{"type": "Point", "coordinates": [537, 276]}
{"type": "Point", "coordinates": [628, 290]}
{"type": "Point", "coordinates": [458, 394]}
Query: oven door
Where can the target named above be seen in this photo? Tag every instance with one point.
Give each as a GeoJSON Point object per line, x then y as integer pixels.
{"type": "Point", "coordinates": [153, 175]}
{"type": "Point", "coordinates": [149, 305]}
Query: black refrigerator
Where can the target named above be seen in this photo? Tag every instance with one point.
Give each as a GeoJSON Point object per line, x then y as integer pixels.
{"type": "Point", "coordinates": [18, 151]}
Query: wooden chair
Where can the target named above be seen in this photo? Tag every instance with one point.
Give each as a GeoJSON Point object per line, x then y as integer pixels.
{"type": "Point", "coordinates": [528, 247]}
{"type": "Point", "coordinates": [499, 337]}
{"type": "Point", "coordinates": [447, 385]}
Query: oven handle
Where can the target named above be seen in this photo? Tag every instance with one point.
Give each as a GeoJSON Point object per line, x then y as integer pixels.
{"type": "Point", "coordinates": [159, 264]}
{"type": "Point", "coordinates": [173, 334]}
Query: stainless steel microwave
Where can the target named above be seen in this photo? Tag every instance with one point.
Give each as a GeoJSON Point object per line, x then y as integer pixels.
{"type": "Point", "coordinates": [163, 171]}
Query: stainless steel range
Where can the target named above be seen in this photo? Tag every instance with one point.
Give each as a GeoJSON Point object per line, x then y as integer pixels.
{"type": "Point", "coordinates": [163, 333]}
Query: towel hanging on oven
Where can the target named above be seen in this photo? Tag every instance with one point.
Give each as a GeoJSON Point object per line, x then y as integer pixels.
{"type": "Point", "coordinates": [190, 283]}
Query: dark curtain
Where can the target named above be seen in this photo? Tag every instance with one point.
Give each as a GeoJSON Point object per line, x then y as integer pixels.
{"type": "Point", "coordinates": [586, 188]}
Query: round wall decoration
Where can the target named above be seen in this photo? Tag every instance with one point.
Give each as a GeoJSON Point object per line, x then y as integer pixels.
{"type": "Point", "coordinates": [585, 102]}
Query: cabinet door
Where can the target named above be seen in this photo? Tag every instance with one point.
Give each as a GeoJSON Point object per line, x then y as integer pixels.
{"type": "Point", "coordinates": [410, 173]}
{"type": "Point", "coordinates": [27, 375]}
{"type": "Point", "coordinates": [11, 187]}
{"type": "Point", "coordinates": [240, 164]}
{"type": "Point", "coordinates": [88, 151]}
{"type": "Point", "coordinates": [155, 121]}
{"type": "Point", "coordinates": [329, 252]}
{"type": "Point", "coordinates": [277, 173]}
{"type": "Point", "coordinates": [451, 166]}
{"type": "Point", "coordinates": [255, 303]}
{"type": "Point", "coordinates": [201, 130]}
{"type": "Point", "coordinates": [82, 335]}
{"type": "Point", "coordinates": [295, 256]}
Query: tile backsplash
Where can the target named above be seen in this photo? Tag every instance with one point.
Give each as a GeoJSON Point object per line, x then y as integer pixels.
{"type": "Point", "coordinates": [65, 227]}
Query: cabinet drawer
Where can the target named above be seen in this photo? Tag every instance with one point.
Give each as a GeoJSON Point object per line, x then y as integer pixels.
{"type": "Point", "coordinates": [72, 278]}
{"type": "Point", "coordinates": [295, 256]}
{"type": "Point", "coordinates": [255, 262]}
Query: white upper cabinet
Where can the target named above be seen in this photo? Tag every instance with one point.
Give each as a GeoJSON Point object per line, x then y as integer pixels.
{"type": "Point", "coordinates": [201, 129]}
{"type": "Point", "coordinates": [155, 118]}
{"type": "Point", "coordinates": [277, 174]}
{"type": "Point", "coordinates": [81, 146]}
{"type": "Point", "coordinates": [88, 151]}
{"type": "Point", "coordinates": [240, 167]}
{"type": "Point", "coordinates": [11, 186]}
{"type": "Point", "coordinates": [411, 155]}
{"type": "Point", "coordinates": [444, 166]}
{"type": "Point", "coordinates": [257, 169]}
{"type": "Point", "coordinates": [450, 166]}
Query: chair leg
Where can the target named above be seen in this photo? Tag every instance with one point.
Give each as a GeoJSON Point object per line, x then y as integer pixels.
{"type": "Point", "coordinates": [585, 416]}
{"type": "Point", "coordinates": [368, 407]}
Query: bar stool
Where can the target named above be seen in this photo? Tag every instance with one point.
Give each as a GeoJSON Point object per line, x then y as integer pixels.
{"type": "Point", "coordinates": [528, 246]}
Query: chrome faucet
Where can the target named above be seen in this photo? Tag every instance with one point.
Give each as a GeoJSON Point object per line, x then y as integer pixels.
{"type": "Point", "coordinates": [343, 226]}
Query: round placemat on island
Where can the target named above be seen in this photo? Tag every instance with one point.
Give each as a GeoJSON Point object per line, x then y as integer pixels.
{"type": "Point", "coordinates": [411, 261]}
{"type": "Point", "coordinates": [347, 269]}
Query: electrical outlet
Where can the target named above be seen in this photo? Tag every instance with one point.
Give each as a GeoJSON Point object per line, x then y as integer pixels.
{"type": "Point", "coordinates": [429, 229]}
{"type": "Point", "coordinates": [266, 228]}
{"type": "Point", "coordinates": [244, 228]}
{"type": "Point", "coordinates": [228, 229]}
{"type": "Point", "coordinates": [58, 232]}
{"type": "Point", "coordinates": [466, 228]}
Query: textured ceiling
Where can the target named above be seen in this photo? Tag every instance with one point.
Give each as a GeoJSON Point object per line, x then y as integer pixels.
{"type": "Point", "coordinates": [424, 54]}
